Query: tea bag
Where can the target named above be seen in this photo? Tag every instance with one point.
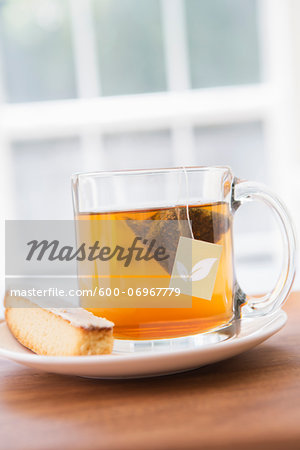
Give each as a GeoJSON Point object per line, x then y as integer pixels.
{"type": "Point", "coordinates": [208, 225]}
{"type": "Point", "coordinates": [166, 226]}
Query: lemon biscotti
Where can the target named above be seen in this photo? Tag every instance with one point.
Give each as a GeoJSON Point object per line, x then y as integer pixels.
{"type": "Point", "coordinates": [58, 331]}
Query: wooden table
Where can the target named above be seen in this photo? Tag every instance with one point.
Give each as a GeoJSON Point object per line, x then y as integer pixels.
{"type": "Point", "coordinates": [251, 401]}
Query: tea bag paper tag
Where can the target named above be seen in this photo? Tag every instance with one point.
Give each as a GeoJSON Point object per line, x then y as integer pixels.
{"type": "Point", "coordinates": [195, 267]}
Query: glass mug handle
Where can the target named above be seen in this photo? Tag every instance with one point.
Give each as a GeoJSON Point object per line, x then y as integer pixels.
{"type": "Point", "coordinates": [245, 191]}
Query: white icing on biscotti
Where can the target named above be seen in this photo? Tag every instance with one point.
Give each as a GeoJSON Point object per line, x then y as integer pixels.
{"type": "Point", "coordinates": [79, 317]}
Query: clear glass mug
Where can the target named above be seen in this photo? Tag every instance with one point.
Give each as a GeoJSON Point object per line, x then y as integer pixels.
{"type": "Point", "coordinates": [187, 213]}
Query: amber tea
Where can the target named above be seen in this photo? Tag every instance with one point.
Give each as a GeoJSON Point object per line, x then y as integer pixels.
{"type": "Point", "coordinates": [209, 223]}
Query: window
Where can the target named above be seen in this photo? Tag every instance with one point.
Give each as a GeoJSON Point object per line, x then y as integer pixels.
{"type": "Point", "coordinates": [223, 42]}
{"type": "Point", "coordinates": [130, 46]}
{"type": "Point", "coordinates": [34, 167]}
{"type": "Point", "coordinates": [143, 149]}
{"type": "Point", "coordinates": [36, 47]}
{"type": "Point", "coordinates": [109, 84]}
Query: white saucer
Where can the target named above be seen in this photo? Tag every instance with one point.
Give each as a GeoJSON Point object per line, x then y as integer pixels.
{"type": "Point", "coordinates": [145, 364]}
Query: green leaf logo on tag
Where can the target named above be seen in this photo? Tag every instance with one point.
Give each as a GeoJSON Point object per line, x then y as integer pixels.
{"type": "Point", "coordinates": [195, 267]}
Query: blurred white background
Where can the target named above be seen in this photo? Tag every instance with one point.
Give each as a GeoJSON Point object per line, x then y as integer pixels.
{"type": "Point", "coordinates": [89, 85]}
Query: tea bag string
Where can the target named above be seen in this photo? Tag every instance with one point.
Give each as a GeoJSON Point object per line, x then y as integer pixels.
{"type": "Point", "coordinates": [187, 192]}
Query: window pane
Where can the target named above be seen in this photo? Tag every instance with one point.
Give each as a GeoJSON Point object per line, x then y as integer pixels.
{"type": "Point", "coordinates": [130, 46]}
{"type": "Point", "coordinates": [35, 44]}
{"type": "Point", "coordinates": [138, 150]}
{"type": "Point", "coordinates": [223, 42]}
{"type": "Point", "coordinates": [241, 147]}
{"type": "Point", "coordinates": [42, 171]}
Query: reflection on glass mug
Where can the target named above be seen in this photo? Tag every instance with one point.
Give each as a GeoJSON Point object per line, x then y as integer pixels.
{"type": "Point", "coordinates": [160, 261]}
